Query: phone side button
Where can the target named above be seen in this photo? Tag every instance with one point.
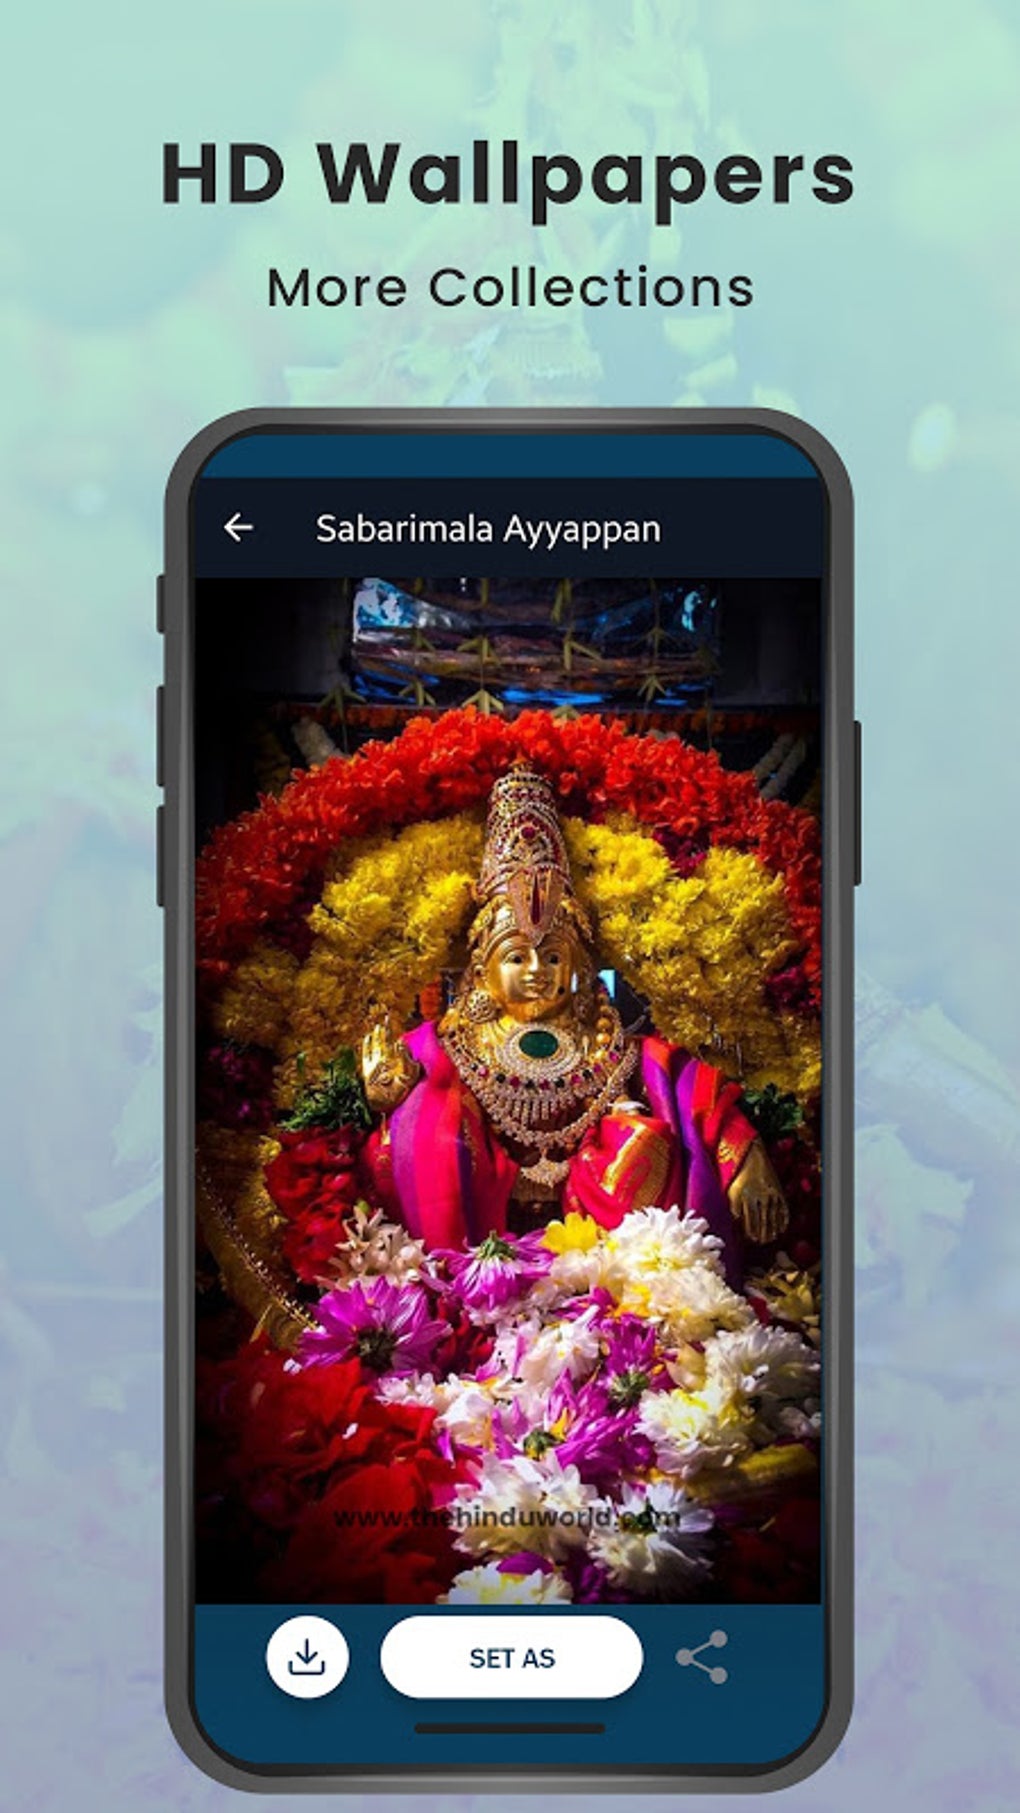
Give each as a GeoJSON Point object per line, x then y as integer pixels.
{"type": "Point", "coordinates": [160, 745]}
{"type": "Point", "coordinates": [160, 603]}
{"type": "Point", "coordinates": [858, 834]}
{"type": "Point", "coordinates": [160, 856]}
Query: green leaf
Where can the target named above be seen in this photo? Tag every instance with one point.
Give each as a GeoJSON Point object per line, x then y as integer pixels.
{"type": "Point", "coordinates": [337, 1100]}
{"type": "Point", "coordinates": [771, 1112]}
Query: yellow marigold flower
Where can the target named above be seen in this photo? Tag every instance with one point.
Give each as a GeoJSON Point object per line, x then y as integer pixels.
{"type": "Point", "coordinates": [574, 1233]}
{"type": "Point", "coordinates": [389, 921]}
{"type": "Point", "coordinates": [254, 1006]}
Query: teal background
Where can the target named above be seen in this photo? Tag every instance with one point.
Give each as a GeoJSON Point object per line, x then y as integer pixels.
{"type": "Point", "coordinates": [891, 325]}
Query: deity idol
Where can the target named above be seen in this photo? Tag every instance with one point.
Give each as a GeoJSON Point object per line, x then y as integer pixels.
{"type": "Point", "coordinates": [528, 1099]}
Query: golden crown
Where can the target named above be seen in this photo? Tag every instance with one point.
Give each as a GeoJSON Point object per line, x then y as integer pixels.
{"type": "Point", "coordinates": [525, 860]}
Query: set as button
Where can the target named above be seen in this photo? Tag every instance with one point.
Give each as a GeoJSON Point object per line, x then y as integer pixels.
{"type": "Point", "coordinates": [550, 1657]}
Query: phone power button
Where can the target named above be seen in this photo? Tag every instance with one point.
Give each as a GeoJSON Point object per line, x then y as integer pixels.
{"type": "Point", "coordinates": [858, 836]}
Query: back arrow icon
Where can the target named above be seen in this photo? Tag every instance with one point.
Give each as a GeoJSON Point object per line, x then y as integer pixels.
{"type": "Point", "coordinates": [236, 528]}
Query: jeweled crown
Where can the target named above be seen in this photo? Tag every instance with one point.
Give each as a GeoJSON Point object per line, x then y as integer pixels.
{"type": "Point", "coordinates": [525, 860]}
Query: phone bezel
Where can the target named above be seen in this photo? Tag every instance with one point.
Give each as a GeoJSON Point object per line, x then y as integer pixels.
{"type": "Point", "coordinates": [840, 859]}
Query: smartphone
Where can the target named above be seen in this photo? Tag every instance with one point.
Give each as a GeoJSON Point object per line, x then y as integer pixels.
{"type": "Point", "coordinates": [507, 858]}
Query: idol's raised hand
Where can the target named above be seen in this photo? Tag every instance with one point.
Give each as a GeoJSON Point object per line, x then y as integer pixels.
{"type": "Point", "coordinates": [756, 1197]}
{"type": "Point", "coordinates": [387, 1068]}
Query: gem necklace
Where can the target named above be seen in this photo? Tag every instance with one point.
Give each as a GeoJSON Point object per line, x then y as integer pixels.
{"type": "Point", "coordinates": [534, 1073]}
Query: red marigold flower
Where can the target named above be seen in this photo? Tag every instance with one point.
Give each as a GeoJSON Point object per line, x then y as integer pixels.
{"type": "Point", "coordinates": [337, 1495]}
{"type": "Point", "coordinates": [314, 1170]}
{"type": "Point", "coordinates": [314, 1181]}
{"type": "Point", "coordinates": [375, 1537]}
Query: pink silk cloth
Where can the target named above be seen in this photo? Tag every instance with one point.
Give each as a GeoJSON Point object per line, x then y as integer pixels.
{"type": "Point", "coordinates": [439, 1168]}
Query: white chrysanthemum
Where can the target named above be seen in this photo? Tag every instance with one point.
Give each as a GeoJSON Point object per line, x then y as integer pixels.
{"type": "Point", "coordinates": [465, 1410]}
{"type": "Point", "coordinates": [692, 1430]}
{"type": "Point", "coordinates": [649, 1242]}
{"type": "Point", "coordinates": [511, 1342]}
{"type": "Point", "coordinates": [520, 1503]}
{"type": "Point", "coordinates": [488, 1586]}
{"type": "Point", "coordinates": [462, 1406]}
{"type": "Point", "coordinates": [762, 1367]}
{"type": "Point", "coordinates": [657, 1543]}
{"type": "Point", "coordinates": [579, 1270]}
{"type": "Point", "coordinates": [408, 1388]}
{"type": "Point", "coordinates": [571, 1346]}
{"type": "Point", "coordinates": [689, 1304]}
{"type": "Point", "coordinates": [757, 1386]}
{"type": "Point", "coordinates": [664, 1265]}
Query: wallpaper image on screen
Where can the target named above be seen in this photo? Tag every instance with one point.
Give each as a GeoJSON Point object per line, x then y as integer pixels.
{"type": "Point", "coordinates": [508, 942]}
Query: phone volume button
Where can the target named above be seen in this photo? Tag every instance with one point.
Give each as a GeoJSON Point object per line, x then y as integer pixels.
{"type": "Point", "coordinates": [160, 603]}
{"type": "Point", "coordinates": [160, 856]}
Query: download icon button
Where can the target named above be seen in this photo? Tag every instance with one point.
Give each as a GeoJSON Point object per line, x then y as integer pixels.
{"type": "Point", "coordinates": [307, 1657]}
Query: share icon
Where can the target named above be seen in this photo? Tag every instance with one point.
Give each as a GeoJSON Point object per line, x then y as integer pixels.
{"type": "Point", "coordinates": [688, 1658]}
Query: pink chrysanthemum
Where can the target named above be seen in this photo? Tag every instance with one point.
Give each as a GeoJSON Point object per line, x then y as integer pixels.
{"type": "Point", "coordinates": [386, 1326]}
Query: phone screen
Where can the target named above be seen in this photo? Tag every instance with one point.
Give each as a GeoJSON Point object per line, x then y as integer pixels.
{"type": "Point", "coordinates": [504, 762]}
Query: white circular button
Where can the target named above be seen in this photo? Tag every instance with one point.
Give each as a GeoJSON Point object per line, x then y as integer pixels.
{"type": "Point", "coordinates": [307, 1657]}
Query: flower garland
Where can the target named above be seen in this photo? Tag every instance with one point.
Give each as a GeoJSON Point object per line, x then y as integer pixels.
{"type": "Point", "coordinates": [706, 950]}
{"type": "Point", "coordinates": [255, 869]}
{"type": "Point", "coordinates": [701, 948]}
{"type": "Point", "coordinates": [694, 908]}
{"type": "Point", "coordinates": [572, 1416]}
{"type": "Point", "coordinates": [386, 925]}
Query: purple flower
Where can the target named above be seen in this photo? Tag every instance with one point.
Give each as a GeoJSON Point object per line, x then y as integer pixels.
{"type": "Point", "coordinates": [631, 1366]}
{"type": "Point", "coordinates": [587, 1430]}
{"type": "Point", "coordinates": [590, 1582]}
{"type": "Point", "coordinates": [513, 1431]}
{"type": "Point", "coordinates": [524, 1562]}
{"type": "Point", "coordinates": [631, 1345]}
{"type": "Point", "coordinates": [602, 1445]}
{"type": "Point", "coordinates": [498, 1270]}
{"type": "Point", "coordinates": [601, 1301]}
{"type": "Point", "coordinates": [386, 1326]}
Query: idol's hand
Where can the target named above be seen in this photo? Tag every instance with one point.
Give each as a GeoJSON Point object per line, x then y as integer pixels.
{"type": "Point", "coordinates": [756, 1198]}
{"type": "Point", "coordinates": [387, 1068]}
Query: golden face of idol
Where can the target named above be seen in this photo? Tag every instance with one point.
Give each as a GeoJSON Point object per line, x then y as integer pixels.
{"type": "Point", "coordinates": [529, 981]}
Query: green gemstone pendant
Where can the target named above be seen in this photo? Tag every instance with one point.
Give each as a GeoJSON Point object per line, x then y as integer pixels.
{"type": "Point", "coordinates": [539, 1043]}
